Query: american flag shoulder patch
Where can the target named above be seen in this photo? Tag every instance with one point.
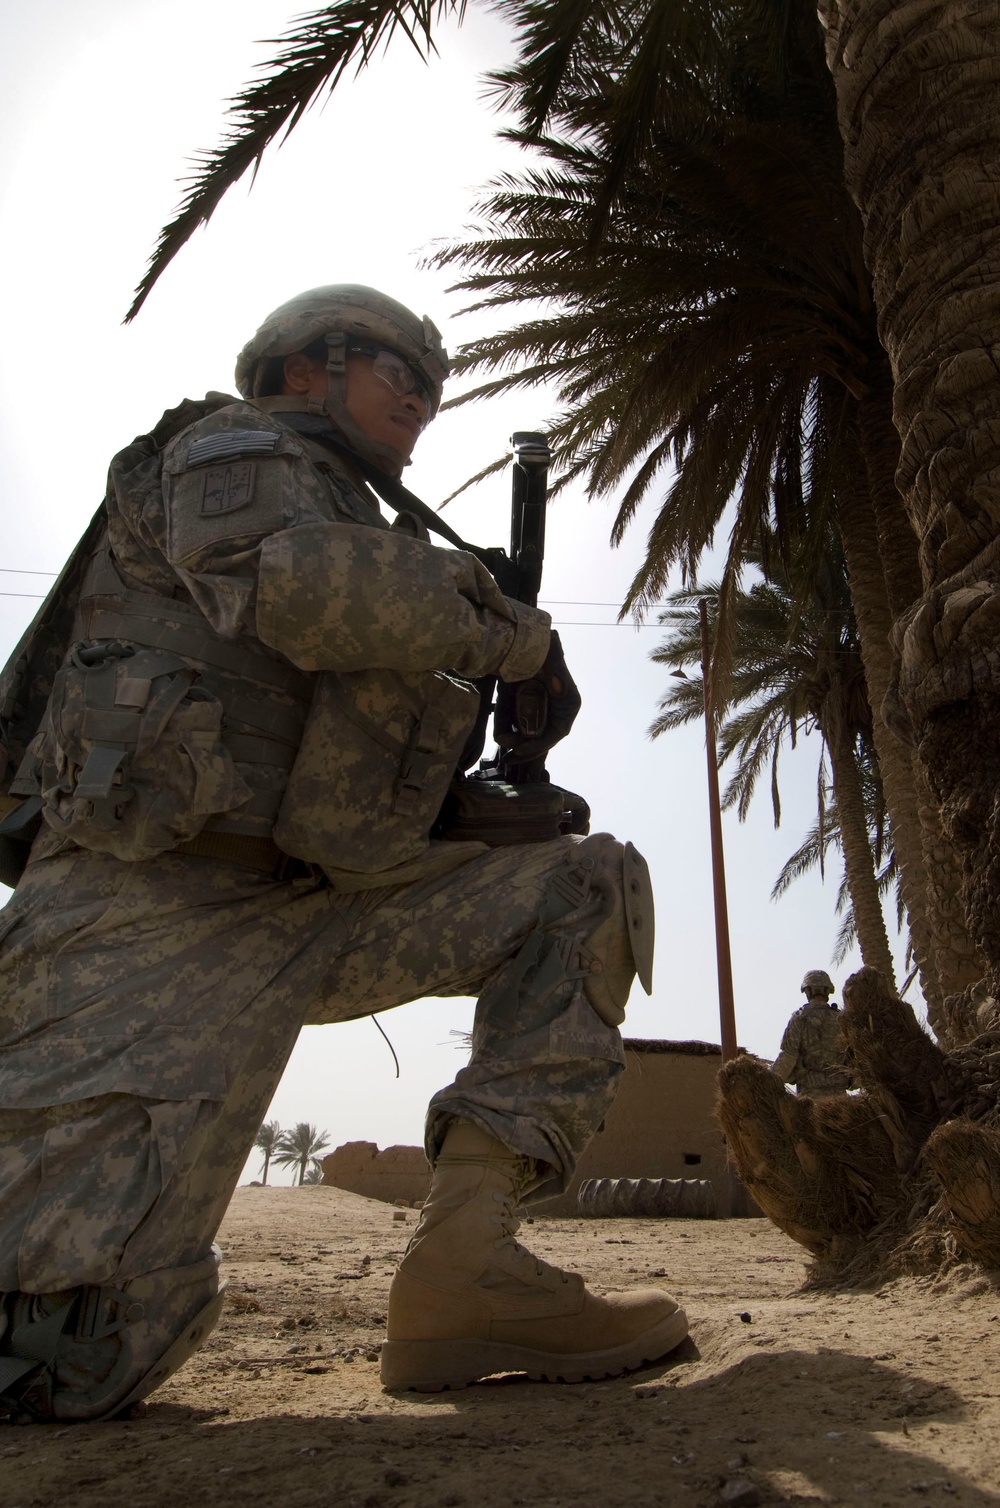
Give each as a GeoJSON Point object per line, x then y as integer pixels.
{"type": "Point", "coordinates": [231, 444]}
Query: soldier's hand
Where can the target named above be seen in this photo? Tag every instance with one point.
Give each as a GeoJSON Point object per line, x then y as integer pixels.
{"type": "Point", "coordinates": [533, 716]}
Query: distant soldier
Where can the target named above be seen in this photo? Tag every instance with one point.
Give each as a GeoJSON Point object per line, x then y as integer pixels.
{"type": "Point", "coordinates": [812, 1049]}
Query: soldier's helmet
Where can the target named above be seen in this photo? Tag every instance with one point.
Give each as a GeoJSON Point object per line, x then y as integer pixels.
{"type": "Point", "coordinates": [817, 982]}
{"type": "Point", "coordinates": [355, 312]}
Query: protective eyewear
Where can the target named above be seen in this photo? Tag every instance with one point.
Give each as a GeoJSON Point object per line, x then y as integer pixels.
{"type": "Point", "coordinates": [394, 371]}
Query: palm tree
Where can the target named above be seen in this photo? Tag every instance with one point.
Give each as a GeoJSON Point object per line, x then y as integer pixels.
{"type": "Point", "coordinates": [267, 1141]}
{"type": "Point", "coordinates": [719, 122]}
{"type": "Point", "coordinates": [713, 332]}
{"type": "Point", "coordinates": [915, 88]}
{"type": "Point", "coordinates": [824, 835]}
{"type": "Point", "coordinates": [638, 57]}
{"type": "Point", "coordinates": [917, 109]}
{"type": "Point", "coordinates": [301, 1146]}
{"type": "Point", "coordinates": [314, 1173]}
{"type": "Point", "coordinates": [794, 670]}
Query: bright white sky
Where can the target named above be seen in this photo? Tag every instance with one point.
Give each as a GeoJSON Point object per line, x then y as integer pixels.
{"type": "Point", "coordinates": [104, 105]}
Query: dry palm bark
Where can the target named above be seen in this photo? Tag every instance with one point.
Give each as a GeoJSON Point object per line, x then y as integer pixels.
{"type": "Point", "coordinates": [855, 844]}
{"type": "Point", "coordinates": [916, 86]}
{"type": "Point", "coordinates": [865, 559]}
{"type": "Point", "coordinates": [885, 582]}
{"type": "Point", "coordinates": [906, 1175]}
{"type": "Point", "coordinates": [903, 1177]}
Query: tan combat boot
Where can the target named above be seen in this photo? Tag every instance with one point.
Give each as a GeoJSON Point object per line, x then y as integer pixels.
{"type": "Point", "coordinates": [468, 1301]}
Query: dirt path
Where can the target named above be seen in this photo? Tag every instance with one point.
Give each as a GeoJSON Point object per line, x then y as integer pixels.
{"type": "Point", "coordinates": [875, 1398]}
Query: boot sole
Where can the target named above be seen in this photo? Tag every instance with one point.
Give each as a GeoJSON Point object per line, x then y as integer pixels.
{"type": "Point", "coordinates": [431, 1366]}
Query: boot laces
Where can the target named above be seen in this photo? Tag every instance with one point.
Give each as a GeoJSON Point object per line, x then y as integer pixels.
{"type": "Point", "coordinates": [509, 1226]}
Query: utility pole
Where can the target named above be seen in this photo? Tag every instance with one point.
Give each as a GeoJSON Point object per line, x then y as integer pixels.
{"type": "Point", "coordinates": [733, 1196]}
{"type": "Point", "coordinates": [727, 1009]}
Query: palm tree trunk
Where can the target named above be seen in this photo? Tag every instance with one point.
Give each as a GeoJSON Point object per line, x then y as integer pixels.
{"type": "Point", "coordinates": [916, 88]}
{"type": "Point", "coordinates": [869, 597]}
{"type": "Point", "coordinates": [930, 865]}
{"type": "Point", "coordinates": [267, 1164]}
{"type": "Point", "coordinates": [897, 543]}
{"type": "Point", "coordinates": [858, 863]}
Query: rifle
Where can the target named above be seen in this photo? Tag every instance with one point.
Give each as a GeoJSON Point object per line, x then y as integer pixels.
{"type": "Point", "coordinates": [519, 575]}
{"type": "Point", "coordinates": [504, 801]}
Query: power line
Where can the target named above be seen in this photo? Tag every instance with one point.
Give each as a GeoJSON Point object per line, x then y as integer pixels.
{"type": "Point", "coordinates": [552, 601]}
{"type": "Point", "coordinates": [555, 601]}
{"type": "Point", "coordinates": [559, 622]}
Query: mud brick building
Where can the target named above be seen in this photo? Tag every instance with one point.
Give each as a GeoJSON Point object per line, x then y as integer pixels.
{"type": "Point", "coordinates": [662, 1125]}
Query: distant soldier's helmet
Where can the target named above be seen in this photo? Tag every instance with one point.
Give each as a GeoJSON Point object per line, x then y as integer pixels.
{"type": "Point", "coordinates": [816, 982]}
{"type": "Point", "coordinates": [347, 315]}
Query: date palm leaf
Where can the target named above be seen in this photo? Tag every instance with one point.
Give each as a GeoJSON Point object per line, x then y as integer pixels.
{"type": "Point", "coordinates": [311, 59]}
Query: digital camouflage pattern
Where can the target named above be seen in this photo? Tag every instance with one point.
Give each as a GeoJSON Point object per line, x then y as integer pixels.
{"type": "Point", "coordinates": [333, 590]}
{"type": "Point", "coordinates": [150, 1005]}
{"type": "Point", "coordinates": [399, 737]}
{"type": "Point", "coordinates": [131, 758]}
{"type": "Point", "coordinates": [812, 1051]}
{"type": "Point", "coordinates": [91, 1352]}
{"type": "Point", "coordinates": [153, 1006]}
{"type": "Point", "coordinates": [360, 593]}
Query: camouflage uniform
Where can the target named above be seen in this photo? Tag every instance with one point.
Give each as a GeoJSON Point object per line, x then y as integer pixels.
{"type": "Point", "coordinates": [151, 1002]}
{"type": "Point", "coordinates": [812, 1051]}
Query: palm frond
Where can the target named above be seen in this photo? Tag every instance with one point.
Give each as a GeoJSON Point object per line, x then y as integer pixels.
{"type": "Point", "coordinates": [312, 58]}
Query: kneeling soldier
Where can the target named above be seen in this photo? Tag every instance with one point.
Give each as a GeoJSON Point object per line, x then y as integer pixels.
{"type": "Point", "coordinates": [248, 694]}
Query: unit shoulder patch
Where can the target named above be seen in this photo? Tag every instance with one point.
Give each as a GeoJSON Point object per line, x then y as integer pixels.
{"type": "Point", "coordinates": [227, 488]}
{"type": "Point", "coordinates": [230, 444]}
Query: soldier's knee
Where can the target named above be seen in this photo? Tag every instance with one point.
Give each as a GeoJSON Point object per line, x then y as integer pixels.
{"type": "Point", "coordinates": [89, 1352]}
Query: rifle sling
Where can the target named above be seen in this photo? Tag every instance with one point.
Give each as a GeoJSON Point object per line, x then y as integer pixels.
{"type": "Point", "coordinates": [399, 498]}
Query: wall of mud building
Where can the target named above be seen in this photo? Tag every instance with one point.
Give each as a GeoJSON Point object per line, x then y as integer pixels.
{"type": "Point", "coordinates": [661, 1125]}
{"type": "Point", "coordinates": [397, 1173]}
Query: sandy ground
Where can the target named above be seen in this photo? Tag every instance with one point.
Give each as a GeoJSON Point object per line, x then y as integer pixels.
{"type": "Point", "coordinates": [784, 1397]}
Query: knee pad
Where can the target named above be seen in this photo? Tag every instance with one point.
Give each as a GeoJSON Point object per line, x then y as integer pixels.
{"type": "Point", "coordinates": [598, 915]}
{"type": "Point", "coordinates": [621, 944]}
{"type": "Point", "coordinates": [90, 1352]}
{"type": "Point", "coordinates": [595, 928]}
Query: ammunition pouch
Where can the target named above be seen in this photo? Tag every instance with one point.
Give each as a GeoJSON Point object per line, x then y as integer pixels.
{"type": "Point", "coordinates": [378, 751]}
{"type": "Point", "coordinates": [130, 759]}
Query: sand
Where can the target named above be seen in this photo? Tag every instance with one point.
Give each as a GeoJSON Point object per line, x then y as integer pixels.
{"type": "Point", "coordinates": [785, 1396]}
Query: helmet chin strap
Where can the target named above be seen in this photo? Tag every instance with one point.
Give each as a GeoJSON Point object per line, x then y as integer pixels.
{"type": "Point", "coordinates": [334, 405]}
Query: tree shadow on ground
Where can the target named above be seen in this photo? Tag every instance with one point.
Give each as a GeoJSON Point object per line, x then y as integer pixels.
{"type": "Point", "coordinates": [795, 1426]}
